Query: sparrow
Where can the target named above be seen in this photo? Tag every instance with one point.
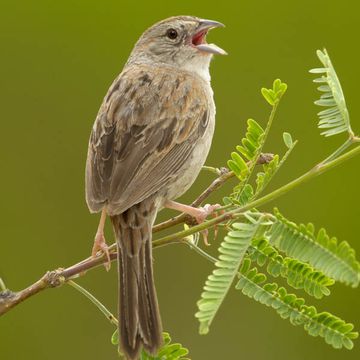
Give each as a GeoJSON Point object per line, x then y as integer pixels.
{"type": "Point", "coordinates": [149, 141]}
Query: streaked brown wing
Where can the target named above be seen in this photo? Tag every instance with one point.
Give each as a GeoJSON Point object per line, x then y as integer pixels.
{"type": "Point", "coordinates": [144, 133]}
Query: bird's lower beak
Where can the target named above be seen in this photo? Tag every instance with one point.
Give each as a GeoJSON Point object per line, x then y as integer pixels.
{"type": "Point", "coordinates": [199, 38]}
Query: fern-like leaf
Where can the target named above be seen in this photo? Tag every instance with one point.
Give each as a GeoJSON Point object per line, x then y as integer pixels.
{"type": "Point", "coordinates": [169, 351]}
{"type": "Point", "coordinates": [264, 177]}
{"type": "Point", "coordinates": [298, 274]}
{"type": "Point", "coordinates": [217, 285]}
{"type": "Point", "coordinates": [270, 169]}
{"type": "Point", "coordinates": [335, 119]}
{"type": "Point", "coordinates": [335, 331]}
{"type": "Point", "coordinates": [248, 151]}
{"type": "Point", "coordinates": [273, 96]}
{"type": "Point", "coordinates": [324, 253]}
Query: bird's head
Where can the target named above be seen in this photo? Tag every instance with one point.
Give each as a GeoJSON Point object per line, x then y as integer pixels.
{"type": "Point", "coordinates": [178, 41]}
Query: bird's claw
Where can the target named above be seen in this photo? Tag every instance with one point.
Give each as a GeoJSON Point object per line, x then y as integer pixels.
{"type": "Point", "coordinates": [205, 211]}
{"type": "Point", "coordinates": [100, 245]}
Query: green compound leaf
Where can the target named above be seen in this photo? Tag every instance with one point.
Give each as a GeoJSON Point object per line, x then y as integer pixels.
{"type": "Point", "coordinates": [238, 165]}
{"type": "Point", "coordinates": [247, 151]}
{"type": "Point", "coordinates": [217, 285]}
{"type": "Point", "coordinates": [252, 141]}
{"type": "Point", "coordinates": [246, 194]}
{"type": "Point", "coordinates": [115, 337]}
{"type": "Point", "coordinates": [169, 351]}
{"type": "Point", "coordinates": [335, 119]}
{"type": "Point", "coordinates": [335, 331]}
{"type": "Point", "coordinates": [244, 160]}
{"type": "Point", "coordinates": [268, 95]}
{"type": "Point", "coordinates": [288, 140]}
{"type": "Point", "coordinates": [273, 96]}
{"type": "Point", "coordinates": [264, 177]}
{"type": "Point", "coordinates": [298, 274]}
{"type": "Point", "coordinates": [336, 260]}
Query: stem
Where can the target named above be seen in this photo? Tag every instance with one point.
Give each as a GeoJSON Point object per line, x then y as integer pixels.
{"type": "Point", "coordinates": [238, 212]}
{"type": "Point", "coordinates": [281, 163]}
{"type": "Point", "coordinates": [315, 171]}
{"type": "Point", "coordinates": [212, 170]}
{"type": "Point", "coordinates": [217, 183]}
{"type": "Point", "coordinates": [95, 301]}
{"type": "Point", "coordinates": [340, 150]}
{"type": "Point", "coordinates": [56, 278]}
{"type": "Point", "coordinates": [270, 121]}
{"type": "Point", "coordinates": [201, 251]}
{"type": "Point", "coordinates": [263, 140]}
{"type": "Point", "coordinates": [234, 214]}
{"type": "Point", "coordinates": [2, 285]}
{"type": "Point", "coordinates": [9, 299]}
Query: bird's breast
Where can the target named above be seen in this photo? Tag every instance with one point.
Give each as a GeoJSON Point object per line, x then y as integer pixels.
{"type": "Point", "coordinates": [183, 180]}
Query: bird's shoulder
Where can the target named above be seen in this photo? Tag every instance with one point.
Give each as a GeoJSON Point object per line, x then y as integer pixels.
{"type": "Point", "coordinates": [147, 96]}
{"type": "Point", "coordinates": [160, 85]}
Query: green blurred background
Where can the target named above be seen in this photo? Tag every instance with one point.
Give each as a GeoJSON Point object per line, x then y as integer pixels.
{"type": "Point", "coordinates": [57, 60]}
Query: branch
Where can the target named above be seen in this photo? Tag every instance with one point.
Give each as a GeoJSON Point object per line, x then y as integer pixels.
{"type": "Point", "coordinates": [95, 301]}
{"type": "Point", "coordinates": [225, 175]}
{"type": "Point", "coordinates": [216, 184]}
{"type": "Point", "coordinates": [56, 278]}
{"type": "Point", "coordinates": [239, 211]}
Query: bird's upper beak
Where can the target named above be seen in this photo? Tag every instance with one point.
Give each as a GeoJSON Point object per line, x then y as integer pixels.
{"type": "Point", "coordinates": [199, 38]}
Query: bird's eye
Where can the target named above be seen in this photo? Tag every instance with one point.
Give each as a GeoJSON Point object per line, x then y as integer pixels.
{"type": "Point", "coordinates": [172, 34]}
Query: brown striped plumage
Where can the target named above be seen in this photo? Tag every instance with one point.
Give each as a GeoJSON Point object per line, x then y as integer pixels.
{"type": "Point", "coordinates": [149, 141]}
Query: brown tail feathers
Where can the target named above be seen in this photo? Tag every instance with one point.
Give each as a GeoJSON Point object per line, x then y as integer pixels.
{"type": "Point", "coordinates": [139, 317]}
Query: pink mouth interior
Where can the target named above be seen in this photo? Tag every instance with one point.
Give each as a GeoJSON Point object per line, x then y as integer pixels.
{"type": "Point", "coordinates": [199, 38]}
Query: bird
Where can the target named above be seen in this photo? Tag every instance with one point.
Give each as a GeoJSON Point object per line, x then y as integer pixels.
{"type": "Point", "coordinates": [148, 143]}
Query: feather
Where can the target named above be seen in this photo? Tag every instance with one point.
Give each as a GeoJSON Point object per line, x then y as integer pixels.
{"type": "Point", "coordinates": [138, 143]}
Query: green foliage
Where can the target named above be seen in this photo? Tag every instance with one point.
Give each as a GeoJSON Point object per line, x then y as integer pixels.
{"type": "Point", "coordinates": [115, 337]}
{"type": "Point", "coordinates": [298, 274]}
{"type": "Point", "coordinates": [217, 285]}
{"type": "Point", "coordinates": [248, 151]}
{"type": "Point", "coordinates": [313, 261]}
{"type": "Point", "coordinates": [168, 351]}
{"type": "Point", "coordinates": [335, 119]}
{"type": "Point", "coordinates": [269, 170]}
{"type": "Point", "coordinates": [244, 192]}
{"type": "Point", "coordinates": [322, 252]}
{"type": "Point", "coordinates": [243, 161]}
{"type": "Point", "coordinates": [288, 140]}
{"type": "Point", "coordinates": [264, 177]}
{"type": "Point", "coordinates": [273, 96]}
{"type": "Point", "coordinates": [335, 331]}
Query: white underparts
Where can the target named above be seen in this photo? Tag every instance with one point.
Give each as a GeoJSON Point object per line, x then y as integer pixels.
{"type": "Point", "coordinates": [200, 65]}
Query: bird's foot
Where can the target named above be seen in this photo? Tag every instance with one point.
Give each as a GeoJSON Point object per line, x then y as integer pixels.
{"type": "Point", "coordinates": [200, 214]}
{"type": "Point", "coordinates": [100, 245]}
{"type": "Point", "coordinates": [204, 212]}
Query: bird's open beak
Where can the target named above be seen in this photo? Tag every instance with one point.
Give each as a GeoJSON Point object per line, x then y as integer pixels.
{"type": "Point", "coordinates": [199, 38]}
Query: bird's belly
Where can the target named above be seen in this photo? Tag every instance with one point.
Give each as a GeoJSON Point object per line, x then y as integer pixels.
{"type": "Point", "coordinates": [190, 171]}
